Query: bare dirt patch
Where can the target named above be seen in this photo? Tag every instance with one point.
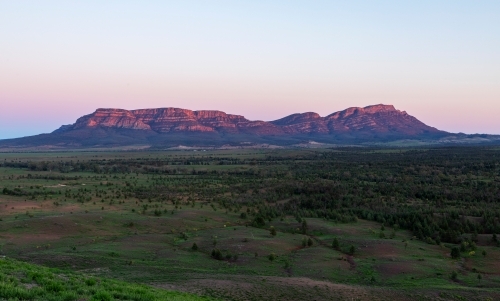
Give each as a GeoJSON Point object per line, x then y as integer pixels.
{"type": "Point", "coordinates": [9, 207]}
{"type": "Point", "coordinates": [395, 268]}
{"type": "Point", "coordinates": [382, 249]}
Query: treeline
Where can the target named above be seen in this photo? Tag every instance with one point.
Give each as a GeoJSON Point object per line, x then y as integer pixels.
{"type": "Point", "coordinates": [138, 165]}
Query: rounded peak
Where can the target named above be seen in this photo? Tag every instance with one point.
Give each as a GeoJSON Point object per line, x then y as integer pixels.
{"type": "Point", "coordinates": [297, 118]}
{"type": "Point", "coordinates": [313, 115]}
{"type": "Point", "coordinates": [355, 111]}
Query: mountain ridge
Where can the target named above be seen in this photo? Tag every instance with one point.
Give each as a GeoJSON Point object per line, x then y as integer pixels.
{"type": "Point", "coordinates": [381, 118]}
{"type": "Point", "coordinates": [172, 127]}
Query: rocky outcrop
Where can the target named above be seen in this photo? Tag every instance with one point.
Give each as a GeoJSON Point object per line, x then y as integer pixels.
{"type": "Point", "coordinates": [115, 118]}
{"type": "Point", "coordinates": [375, 119]}
{"type": "Point", "coordinates": [166, 120]}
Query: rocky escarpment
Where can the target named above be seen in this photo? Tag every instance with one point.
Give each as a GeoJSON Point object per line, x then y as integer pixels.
{"type": "Point", "coordinates": [377, 119]}
{"type": "Point", "coordinates": [167, 120]}
{"type": "Point", "coordinates": [171, 127]}
{"type": "Point", "coordinates": [116, 118]}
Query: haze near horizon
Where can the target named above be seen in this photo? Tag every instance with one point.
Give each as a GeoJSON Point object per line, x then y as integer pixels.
{"type": "Point", "coordinates": [437, 60]}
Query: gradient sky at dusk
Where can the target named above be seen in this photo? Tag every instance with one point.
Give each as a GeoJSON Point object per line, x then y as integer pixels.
{"type": "Point", "coordinates": [437, 60]}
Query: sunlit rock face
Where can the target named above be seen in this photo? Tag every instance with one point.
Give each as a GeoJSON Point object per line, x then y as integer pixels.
{"type": "Point", "coordinates": [377, 118]}
{"type": "Point", "coordinates": [170, 127]}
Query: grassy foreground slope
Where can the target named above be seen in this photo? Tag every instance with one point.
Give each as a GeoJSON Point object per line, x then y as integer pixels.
{"type": "Point", "coordinates": [24, 281]}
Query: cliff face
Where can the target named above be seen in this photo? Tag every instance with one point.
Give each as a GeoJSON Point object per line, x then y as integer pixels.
{"type": "Point", "coordinates": [172, 127]}
{"type": "Point", "coordinates": [115, 118]}
{"type": "Point", "coordinates": [374, 119]}
{"type": "Point", "coordinates": [167, 120]}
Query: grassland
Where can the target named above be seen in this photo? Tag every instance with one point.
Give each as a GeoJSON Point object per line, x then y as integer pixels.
{"type": "Point", "coordinates": [120, 218]}
{"type": "Point", "coordinates": [23, 281]}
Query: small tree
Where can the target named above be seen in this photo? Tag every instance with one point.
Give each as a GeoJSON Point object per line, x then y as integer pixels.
{"type": "Point", "coordinates": [304, 226]}
{"type": "Point", "coordinates": [479, 277]}
{"type": "Point", "coordinates": [310, 242]}
{"type": "Point", "coordinates": [484, 253]}
{"type": "Point", "coordinates": [259, 221]}
{"type": "Point", "coordinates": [352, 250]}
{"type": "Point", "coordinates": [194, 247]}
{"type": "Point", "coordinates": [271, 257]}
{"type": "Point", "coordinates": [473, 246]}
{"type": "Point", "coordinates": [455, 253]}
{"type": "Point", "coordinates": [454, 275]}
{"type": "Point", "coordinates": [272, 230]}
{"type": "Point", "coordinates": [494, 238]}
{"type": "Point", "coordinates": [217, 254]}
{"type": "Point", "coordinates": [335, 243]}
{"type": "Point", "coordinates": [463, 246]}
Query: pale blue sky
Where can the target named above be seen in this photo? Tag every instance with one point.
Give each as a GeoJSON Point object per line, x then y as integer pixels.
{"type": "Point", "coordinates": [438, 60]}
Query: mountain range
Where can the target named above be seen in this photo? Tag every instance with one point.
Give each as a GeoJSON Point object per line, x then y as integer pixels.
{"type": "Point", "coordinates": [174, 127]}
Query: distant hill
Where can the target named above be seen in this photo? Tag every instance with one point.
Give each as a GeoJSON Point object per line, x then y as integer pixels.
{"type": "Point", "coordinates": [174, 127]}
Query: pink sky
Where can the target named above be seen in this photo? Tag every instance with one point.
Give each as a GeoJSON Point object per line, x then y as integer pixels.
{"type": "Point", "coordinates": [61, 60]}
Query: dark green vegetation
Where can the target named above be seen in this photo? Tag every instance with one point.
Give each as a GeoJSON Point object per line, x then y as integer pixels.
{"type": "Point", "coordinates": [334, 224]}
